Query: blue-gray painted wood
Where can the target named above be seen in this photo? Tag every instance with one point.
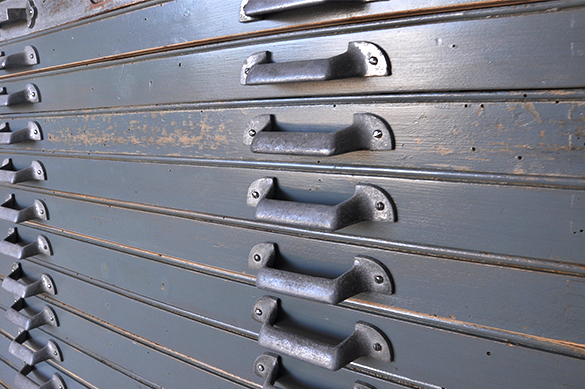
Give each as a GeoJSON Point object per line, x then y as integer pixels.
{"type": "Point", "coordinates": [529, 222]}
{"type": "Point", "coordinates": [421, 353]}
{"type": "Point", "coordinates": [463, 138]}
{"type": "Point", "coordinates": [68, 44]}
{"type": "Point", "coordinates": [436, 292]}
{"type": "Point", "coordinates": [431, 57]}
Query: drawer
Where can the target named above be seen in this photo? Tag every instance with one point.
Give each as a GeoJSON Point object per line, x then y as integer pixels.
{"type": "Point", "coordinates": [171, 342]}
{"type": "Point", "coordinates": [424, 58]}
{"type": "Point", "coordinates": [78, 370]}
{"type": "Point", "coordinates": [525, 223]}
{"type": "Point", "coordinates": [119, 366]}
{"type": "Point", "coordinates": [184, 28]}
{"type": "Point", "coordinates": [49, 14]}
{"type": "Point", "coordinates": [421, 353]}
{"type": "Point", "coordinates": [437, 292]}
{"type": "Point", "coordinates": [464, 140]}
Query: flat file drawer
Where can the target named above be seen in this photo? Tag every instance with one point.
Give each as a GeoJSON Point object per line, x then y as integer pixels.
{"type": "Point", "coordinates": [156, 254]}
{"type": "Point", "coordinates": [439, 138]}
{"type": "Point", "coordinates": [42, 15]}
{"type": "Point", "coordinates": [423, 58]}
{"type": "Point", "coordinates": [194, 23]}
{"type": "Point", "coordinates": [421, 353]}
{"type": "Point", "coordinates": [541, 224]}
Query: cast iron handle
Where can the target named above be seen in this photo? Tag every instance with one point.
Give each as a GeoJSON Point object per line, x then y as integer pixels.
{"type": "Point", "coordinates": [252, 10]}
{"type": "Point", "coordinates": [35, 172]}
{"type": "Point", "coordinates": [31, 358]}
{"type": "Point", "coordinates": [366, 340]}
{"type": "Point", "coordinates": [362, 59]}
{"type": "Point", "coordinates": [368, 132]}
{"type": "Point", "coordinates": [30, 94]}
{"type": "Point", "coordinates": [44, 284]}
{"type": "Point", "coordinates": [266, 366]}
{"type": "Point", "coordinates": [31, 132]}
{"type": "Point", "coordinates": [8, 212]}
{"type": "Point", "coordinates": [46, 316]}
{"type": "Point", "coordinates": [27, 57]}
{"type": "Point", "coordinates": [12, 246]}
{"type": "Point", "coordinates": [23, 382]}
{"type": "Point", "coordinates": [14, 15]}
{"type": "Point", "coordinates": [366, 275]}
{"type": "Point", "coordinates": [367, 203]}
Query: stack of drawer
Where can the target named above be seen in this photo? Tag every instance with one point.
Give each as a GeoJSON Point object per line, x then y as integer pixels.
{"type": "Point", "coordinates": [292, 194]}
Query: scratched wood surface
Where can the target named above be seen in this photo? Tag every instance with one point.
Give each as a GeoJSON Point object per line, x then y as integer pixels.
{"type": "Point", "coordinates": [422, 353]}
{"type": "Point", "coordinates": [163, 25]}
{"type": "Point", "coordinates": [425, 58]}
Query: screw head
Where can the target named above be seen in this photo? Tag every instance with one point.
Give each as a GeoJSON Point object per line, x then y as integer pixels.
{"type": "Point", "coordinates": [252, 132]}
{"type": "Point", "coordinates": [257, 257]}
{"type": "Point", "coordinates": [45, 247]}
{"type": "Point", "coordinates": [42, 212]}
{"type": "Point", "coordinates": [380, 206]}
{"type": "Point", "coordinates": [379, 279]}
{"type": "Point", "coordinates": [247, 70]}
{"type": "Point", "coordinates": [260, 367]}
{"type": "Point", "coordinates": [31, 12]}
{"type": "Point", "coordinates": [39, 172]}
{"type": "Point", "coordinates": [255, 194]}
{"type": "Point", "coordinates": [56, 353]}
{"type": "Point", "coordinates": [377, 347]}
{"type": "Point", "coordinates": [373, 60]}
{"type": "Point", "coordinates": [377, 134]}
{"type": "Point", "coordinates": [258, 311]}
{"type": "Point", "coordinates": [35, 132]}
{"type": "Point", "coordinates": [33, 93]}
{"type": "Point", "coordinates": [32, 56]}
{"type": "Point", "coordinates": [51, 318]}
{"type": "Point", "coordinates": [49, 286]}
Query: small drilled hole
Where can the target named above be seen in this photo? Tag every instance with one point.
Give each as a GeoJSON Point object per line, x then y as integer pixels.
{"type": "Point", "coordinates": [519, 158]}
{"type": "Point", "coordinates": [473, 149]}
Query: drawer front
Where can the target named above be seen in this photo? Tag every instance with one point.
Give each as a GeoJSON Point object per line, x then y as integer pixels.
{"type": "Point", "coordinates": [448, 140]}
{"type": "Point", "coordinates": [44, 15]}
{"type": "Point", "coordinates": [185, 28]}
{"type": "Point", "coordinates": [78, 370]}
{"type": "Point", "coordinates": [421, 353]}
{"type": "Point", "coordinates": [151, 251]}
{"type": "Point", "coordinates": [523, 223]}
{"type": "Point", "coordinates": [474, 61]}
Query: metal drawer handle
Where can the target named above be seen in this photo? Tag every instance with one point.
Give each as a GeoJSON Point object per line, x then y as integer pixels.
{"type": "Point", "coordinates": [252, 10]}
{"type": "Point", "coordinates": [30, 94]}
{"type": "Point", "coordinates": [366, 340]}
{"type": "Point", "coordinates": [367, 203]}
{"type": "Point", "coordinates": [21, 381]}
{"type": "Point", "coordinates": [35, 172]}
{"type": "Point", "coordinates": [366, 275]}
{"type": "Point", "coordinates": [46, 316]}
{"type": "Point", "coordinates": [14, 15]}
{"type": "Point", "coordinates": [368, 132]}
{"type": "Point", "coordinates": [362, 59]}
{"type": "Point", "coordinates": [12, 246]}
{"type": "Point", "coordinates": [8, 212]}
{"type": "Point", "coordinates": [27, 57]}
{"type": "Point", "coordinates": [44, 284]}
{"type": "Point", "coordinates": [266, 366]}
{"type": "Point", "coordinates": [31, 132]}
{"type": "Point", "coordinates": [31, 358]}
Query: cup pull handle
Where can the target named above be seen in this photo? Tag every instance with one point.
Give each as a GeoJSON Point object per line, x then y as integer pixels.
{"type": "Point", "coordinates": [252, 10]}
{"type": "Point", "coordinates": [46, 316]}
{"type": "Point", "coordinates": [35, 172]}
{"type": "Point", "coordinates": [27, 57]}
{"type": "Point", "coordinates": [367, 203]}
{"type": "Point", "coordinates": [8, 212]}
{"type": "Point", "coordinates": [30, 94]}
{"type": "Point", "coordinates": [31, 358]}
{"type": "Point", "coordinates": [366, 340]}
{"type": "Point", "coordinates": [32, 132]}
{"type": "Point", "coordinates": [362, 59]}
{"type": "Point", "coordinates": [44, 284]}
{"type": "Point", "coordinates": [15, 15]}
{"type": "Point", "coordinates": [21, 381]}
{"type": "Point", "coordinates": [366, 275]}
{"type": "Point", "coordinates": [13, 246]}
{"type": "Point", "coordinates": [368, 132]}
{"type": "Point", "coordinates": [266, 366]}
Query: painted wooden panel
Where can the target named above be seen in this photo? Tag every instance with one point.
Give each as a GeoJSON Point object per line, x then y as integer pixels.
{"type": "Point", "coordinates": [467, 55]}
